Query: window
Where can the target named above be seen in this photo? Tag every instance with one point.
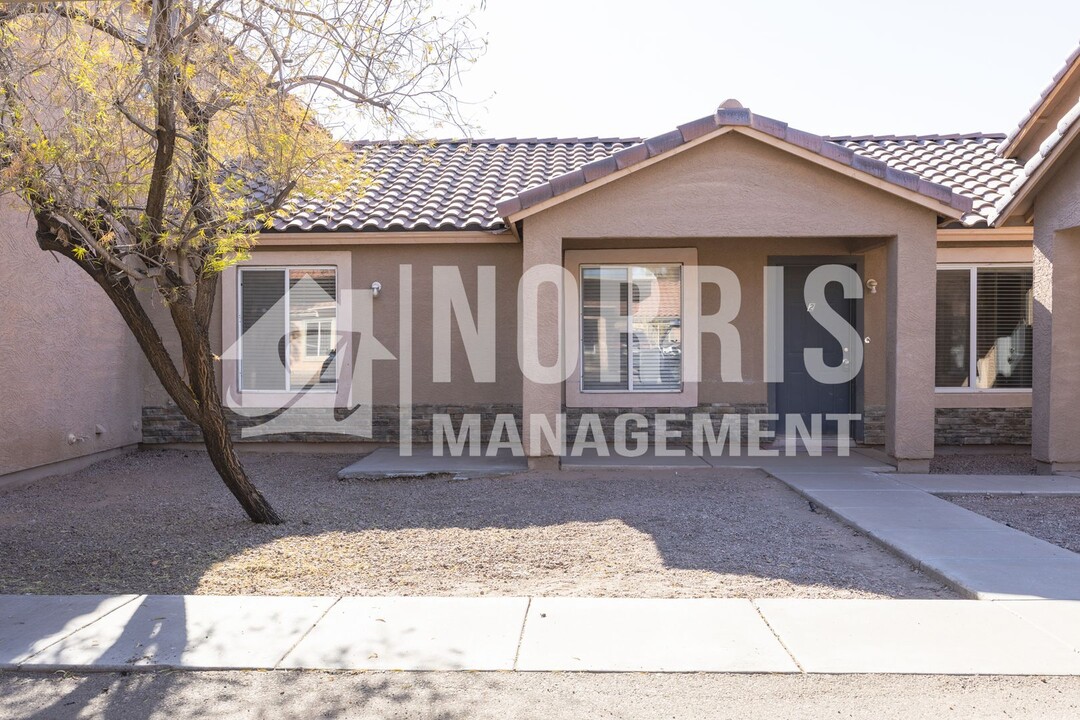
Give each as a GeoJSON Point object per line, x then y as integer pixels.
{"type": "Point", "coordinates": [631, 324]}
{"type": "Point", "coordinates": [318, 338]}
{"type": "Point", "coordinates": [984, 317]}
{"type": "Point", "coordinates": [288, 319]}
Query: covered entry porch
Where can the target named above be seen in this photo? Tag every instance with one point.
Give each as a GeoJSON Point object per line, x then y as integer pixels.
{"type": "Point", "coordinates": [730, 205]}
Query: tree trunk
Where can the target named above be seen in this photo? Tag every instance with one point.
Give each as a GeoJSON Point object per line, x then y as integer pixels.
{"type": "Point", "coordinates": [197, 398]}
{"type": "Point", "coordinates": [202, 376]}
{"type": "Point", "coordinates": [219, 446]}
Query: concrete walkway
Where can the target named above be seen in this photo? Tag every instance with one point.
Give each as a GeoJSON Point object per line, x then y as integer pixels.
{"type": "Point", "coordinates": [994, 484]}
{"type": "Point", "coordinates": [91, 633]}
{"type": "Point", "coordinates": [390, 463]}
{"type": "Point", "coordinates": [979, 557]}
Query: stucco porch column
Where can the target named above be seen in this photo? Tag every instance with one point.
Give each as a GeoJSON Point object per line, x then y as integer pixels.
{"type": "Point", "coordinates": [1055, 393]}
{"type": "Point", "coordinates": [539, 337]}
{"type": "Point", "coordinates": [909, 365]}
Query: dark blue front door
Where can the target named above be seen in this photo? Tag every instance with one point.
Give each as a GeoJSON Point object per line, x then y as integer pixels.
{"type": "Point", "coordinates": [800, 393]}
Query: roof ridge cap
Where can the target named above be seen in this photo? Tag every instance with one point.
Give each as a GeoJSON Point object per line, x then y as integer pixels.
{"type": "Point", "coordinates": [609, 140]}
{"type": "Point", "coordinates": [1010, 139]}
{"type": "Point", "coordinates": [730, 115]}
{"type": "Point", "coordinates": [494, 141]}
{"type": "Point", "coordinates": [976, 135]}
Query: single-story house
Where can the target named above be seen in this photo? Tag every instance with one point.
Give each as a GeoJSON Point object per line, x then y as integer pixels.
{"type": "Point", "coordinates": [960, 245]}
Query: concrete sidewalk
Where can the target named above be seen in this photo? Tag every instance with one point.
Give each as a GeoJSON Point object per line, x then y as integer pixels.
{"type": "Point", "coordinates": [90, 633]}
{"type": "Point", "coordinates": [976, 555]}
{"type": "Point", "coordinates": [422, 461]}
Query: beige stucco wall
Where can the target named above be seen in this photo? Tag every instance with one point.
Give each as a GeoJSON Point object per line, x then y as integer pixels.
{"type": "Point", "coordinates": [988, 252]}
{"type": "Point", "coordinates": [67, 360]}
{"type": "Point", "coordinates": [729, 193]}
{"type": "Point", "coordinates": [999, 399]}
{"type": "Point", "coordinates": [1055, 411]}
{"type": "Point", "coordinates": [382, 263]}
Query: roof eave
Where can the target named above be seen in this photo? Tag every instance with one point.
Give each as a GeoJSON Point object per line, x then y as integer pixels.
{"type": "Point", "coordinates": [386, 237]}
{"type": "Point", "coordinates": [1019, 201]}
{"type": "Point", "coordinates": [518, 215]}
{"type": "Point", "coordinates": [892, 181]}
{"type": "Point", "coordinates": [955, 210]}
{"type": "Point", "coordinates": [1033, 119]}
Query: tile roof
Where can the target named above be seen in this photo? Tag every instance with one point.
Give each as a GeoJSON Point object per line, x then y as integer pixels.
{"type": "Point", "coordinates": [445, 184]}
{"type": "Point", "coordinates": [730, 114]}
{"type": "Point", "coordinates": [1044, 96]}
{"type": "Point", "coordinates": [456, 184]}
{"type": "Point", "coordinates": [969, 164]}
{"type": "Point", "coordinates": [1050, 146]}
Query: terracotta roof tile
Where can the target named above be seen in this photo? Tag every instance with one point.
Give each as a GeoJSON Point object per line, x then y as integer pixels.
{"type": "Point", "coordinates": [968, 164]}
{"type": "Point", "coordinates": [1043, 96]}
{"type": "Point", "coordinates": [458, 184]}
{"type": "Point", "coordinates": [731, 114]}
{"type": "Point", "coordinates": [1017, 189]}
{"type": "Point", "coordinates": [445, 184]}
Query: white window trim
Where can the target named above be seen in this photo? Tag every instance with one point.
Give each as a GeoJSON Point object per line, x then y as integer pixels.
{"type": "Point", "coordinates": [574, 261]}
{"type": "Point", "coordinates": [973, 353]}
{"type": "Point", "coordinates": [236, 397]}
{"type": "Point", "coordinates": [318, 340]}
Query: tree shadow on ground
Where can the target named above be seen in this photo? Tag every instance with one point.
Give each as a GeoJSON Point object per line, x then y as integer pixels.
{"type": "Point", "coordinates": [168, 693]}
{"type": "Point", "coordinates": [161, 522]}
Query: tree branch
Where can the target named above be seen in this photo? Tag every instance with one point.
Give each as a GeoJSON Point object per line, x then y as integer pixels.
{"type": "Point", "coordinates": [342, 90]}
{"type": "Point", "coordinates": [165, 99]}
{"type": "Point", "coordinates": [70, 12]}
{"type": "Point", "coordinates": [122, 293]}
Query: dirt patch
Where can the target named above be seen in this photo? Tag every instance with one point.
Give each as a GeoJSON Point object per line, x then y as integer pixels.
{"type": "Point", "coordinates": [162, 522]}
{"type": "Point", "coordinates": [1055, 519]}
{"type": "Point", "coordinates": [983, 463]}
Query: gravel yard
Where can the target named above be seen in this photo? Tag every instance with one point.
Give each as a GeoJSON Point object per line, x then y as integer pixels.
{"type": "Point", "coordinates": [983, 461]}
{"type": "Point", "coordinates": [162, 522]}
{"type": "Point", "coordinates": [1053, 519]}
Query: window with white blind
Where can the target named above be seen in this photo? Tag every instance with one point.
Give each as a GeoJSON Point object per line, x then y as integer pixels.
{"type": "Point", "coordinates": [631, 325]}
{"type": "Point", "coordinates": [288, 320]}
{"type": "Point", "coordinates": [983, 337]}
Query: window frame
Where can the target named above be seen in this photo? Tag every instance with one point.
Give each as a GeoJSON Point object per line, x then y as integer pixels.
{"type": "Point", "coordinates": [628, 266]}
{"type": "Point", "coordinates": [285, 270]}
{"type": "Point", "coordinates": [318, 323]}
{"type": "Point", "coordinates": [571, 321]}
{"type": "Point", "coordinates": [233, 395]}
{"type": "Point", "coordinates": [973, 312]}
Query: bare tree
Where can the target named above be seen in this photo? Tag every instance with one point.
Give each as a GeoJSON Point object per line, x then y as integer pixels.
{"type": "Point", "coordinates": [154, 139]}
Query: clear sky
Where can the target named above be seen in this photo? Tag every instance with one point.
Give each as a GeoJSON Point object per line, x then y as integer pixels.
{"type": "Point", "coordinates": [601, 67]}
